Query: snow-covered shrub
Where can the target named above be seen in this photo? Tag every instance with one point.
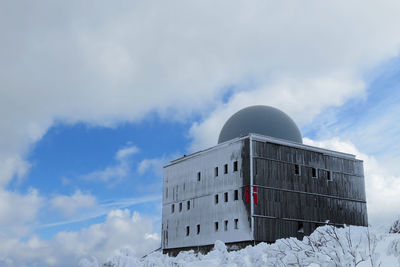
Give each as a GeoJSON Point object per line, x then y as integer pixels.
{"type": "Point", "coordinates": [395, 228]}
{"type": "Point", "coordinates": [394, 249]}
{"type": "Point", "coordinates": [327, 247]}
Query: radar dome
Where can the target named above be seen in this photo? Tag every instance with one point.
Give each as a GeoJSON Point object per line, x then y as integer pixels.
{"type": "Point", "coordinates": [264, 120]}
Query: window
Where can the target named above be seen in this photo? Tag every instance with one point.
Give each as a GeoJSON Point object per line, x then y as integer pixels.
{"type": "Point", "coordinates": [166, 192]}
{"type": "Point", "coordinates": [300, 227]}
{"type": "Point", "coordinates": [235, 166]}
{"type": "Point", "coordinates": [226, 168]}
{"type": "Point", "coordinates": [198, 176]}
{"type": "Point", "coordinates": [236, 223]}
{"type": "Point", "coordinates": [188, 205]}
{"type": "Point", "coordinates": [236, 194]}
{"type": "Point", "coordinates": [329, 176]}
{"type": "Point", "coordinates": [226, 225]}
{"type": "Point", "coordinates": [216, 226]}
{"type": "Point", "coordinates": [180, 207]}
{"type": "Point", "coordinates": [216, 171]}
{"type": "Point", "coordinates": [297, 169]}
{"type": "Point", "coordinates": [198, 229]}
{"type": "Point", "coordinates": [216, 199]}
{"type": "Point", "coordinates": [314, 172]}
{"type": "Point", "coordinates": [187, 230]}
{"type": "Point", "coordinates": [226, 196]}
{"type": "Point", "coordinates": [172, 208]}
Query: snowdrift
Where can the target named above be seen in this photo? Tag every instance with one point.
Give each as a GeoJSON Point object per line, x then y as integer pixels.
{"type": "Point", "coordinates": [327, 246]}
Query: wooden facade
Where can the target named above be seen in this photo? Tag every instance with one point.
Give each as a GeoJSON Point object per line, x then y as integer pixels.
{"type": "Point", "coordinates": [300, 189]}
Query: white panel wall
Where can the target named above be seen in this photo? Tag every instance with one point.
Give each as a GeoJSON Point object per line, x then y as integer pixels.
{"type": "Point", "coordinates": [181, 185]}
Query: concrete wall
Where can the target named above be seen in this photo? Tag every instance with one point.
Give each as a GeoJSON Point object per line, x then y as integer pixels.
{"type": "Point", "coordinates": [181, 185]}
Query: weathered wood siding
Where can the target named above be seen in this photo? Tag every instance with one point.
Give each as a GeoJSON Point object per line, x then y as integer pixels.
{"type": "Point", "coordinates": [288, 202]}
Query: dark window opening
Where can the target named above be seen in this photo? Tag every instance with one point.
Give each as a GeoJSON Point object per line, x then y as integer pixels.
{"type": "Point", "coordinates": [180, 207]}
{"type": "Point", "coordinates": [198, 229]}
{"type": "Point", "coordinates": [314, 172]}
{"type": "Point", "coordinates": [184, 186]}
{"type": "Point", "coordinates": [297, 169]}
{"type": "Point", "coordinates": [300, 227]}
{"type": "Point", "coordinates": [226, 196]}
{"type": "Point", "coordinates": [187, 230]}
{"type": "Point", "coordinates": [226, 225]}
{"type": "Point", "coordinates": [216, 226]}
{"type": "Point", "coordinates": [216, 171]}
{"type": "Point", "coordinates": [188, 205]}
{"type": "Point", "coordinates": [172, 208]}
{"type": "Point", "coordinates": [198, 176]}
{"type": "Point", "coordinates": [235, 166]}
{"type": "Point", "coordinates": [226, 168]}
{"type": "Point", "coordinates": [329, 176]}
{"type": "Point", "coordinates": [166, 192]}
{"type": "Point", "coordinates": [216, 199]}
{"type": "Point", "coordinates": [236, 223]}
{"type": "Point", "coordinates": [236, 194]}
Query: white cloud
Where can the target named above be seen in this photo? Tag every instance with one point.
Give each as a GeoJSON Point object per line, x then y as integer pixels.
{"type": "Point", "coordinates": [116, 172]}
{"type": "Point", "coordinates": [69, 205]}
{"type": "Point", "coordinates": [121, 230]}
{"type": "Point", "coordinates": [155, 165]}
{"type": "Point", "coordinates": [301, 99]}
{"type": "Point", "coordinates": [119, 62]}
{"type": "Point", "coordinates": [382, 187]}
{"type": "Point", "coordinates": [18, 212]}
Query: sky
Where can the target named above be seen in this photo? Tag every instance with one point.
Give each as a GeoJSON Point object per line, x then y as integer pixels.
{"type": "Point", "coordinates": [96, 96]}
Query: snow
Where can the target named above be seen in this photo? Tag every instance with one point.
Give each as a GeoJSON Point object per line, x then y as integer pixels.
{"type": "Point", "coordinates": [327, 246]}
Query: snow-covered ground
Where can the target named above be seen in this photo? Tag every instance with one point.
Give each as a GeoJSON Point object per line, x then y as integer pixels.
{"type": "Point", "coordinates": [327, 246]}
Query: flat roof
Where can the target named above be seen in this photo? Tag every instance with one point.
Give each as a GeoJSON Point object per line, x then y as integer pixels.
{"type": "Point", "coordinates": [268, 139]}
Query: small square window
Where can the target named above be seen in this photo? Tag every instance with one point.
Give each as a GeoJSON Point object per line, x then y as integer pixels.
{"type": "Point", "coordinates": [226, 225]}
{"type": "Point", "coordinates": [329, 176]}
{"type": "Point", "coordinates": [216, 171]}
{"type": "Point", "coordinates": [300, 227]}
{"type": "Point", "coordinates": [236, 194]}
{"type": "Point", "coordinates": [180, 207]}
{"type": "Point", "coordinates": [226, 168]}
{"type": "Point", "coordinates": [216, 199]}
{"type": "Point", "coordinates": [235, 166]}
{"type": "Point", "coordinates": [172, 208]}
{"type": "Point", "coordinates": [236, 223]}
{"type": "Point", "coordinates": [226, 196]}
{"type": "Point", "coordinates": [297, 169]}
{"type": "Point", "coordinates": [216, 226]}
{"type": "Point", "coordinates": [198, 229]}
{"type": "Point", "coordinates": [314, 172]}
{"type": "Point", "coordinates": [187, 230]}
{"type": "Point", "coordinates": [188, 205]}
{"type": "Point", "coordinates": [198, 176]}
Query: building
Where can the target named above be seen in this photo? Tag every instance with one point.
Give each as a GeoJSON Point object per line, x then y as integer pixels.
{"type": "Point", "coordinates": [259, 184]}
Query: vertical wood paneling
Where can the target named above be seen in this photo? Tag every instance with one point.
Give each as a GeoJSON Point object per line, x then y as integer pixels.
{"type": "Point", "coordinates": [275, 168]}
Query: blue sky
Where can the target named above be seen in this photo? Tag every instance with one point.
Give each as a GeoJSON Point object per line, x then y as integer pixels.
{"type": "Point", "coordinates": [96, 97]}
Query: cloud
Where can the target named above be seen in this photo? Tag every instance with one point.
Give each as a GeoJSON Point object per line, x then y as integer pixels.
{"type": "Point", "coordinates": [69, 205]}
{"type": "Point", "coordinates": [116, 172]}
{"type": "Point", "coordinates": [121, 230]}
{"type": "Point", "coordinates": [18, 212]}
{"type": "Point", "coordinates": [155, 165]}
{"type": "Point", "coordinates": [382, 187]}
{"type": "Point", "coordinates": [301, 99]}
{"type": "Point", "coordinates": [103, 208]}
{"type": "Point", "coordinates": [103, 65]}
